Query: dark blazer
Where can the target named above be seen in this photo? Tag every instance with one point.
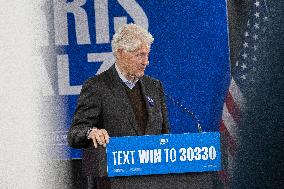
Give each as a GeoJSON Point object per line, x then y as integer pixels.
{"type": "Point", "coordinates": [103, 103]}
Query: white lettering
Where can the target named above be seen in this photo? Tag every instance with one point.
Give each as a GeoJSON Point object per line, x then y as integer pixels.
{"type": "Point", "coordinates": [197, 151]}
{"type": "Point", "coordinates": [102, 21]}
{"type": "Point", "coordinates": [61, 8]}
{"type": "Point", "coordinates": [119, 153]}
{"type": "Point", "coordinates": [205, 151]}
{"type": "Point", "coordinates": [119, 22]}
{"type": "Point", "coordinates": [173, 155]}
{"type": "Point", "coordinates": [212, 153]}
{"type": "Point", "coordinates": [107, 59]}
{"type": "Point", "coordinates": [144, 156]}
{"type": "Point", "coordinates": [125, 154]}
{"type": "Point", "coordinates": [152, 156]}
{"type": "Point", "coordinates": [64, 87]}
{"type": "Point", "coordinates": [132, 156]}
{"type": "Point", "coordinates": [114, 158]}
{"type": "Point", "coordinates": [190, 154]}
{"type": "Point", "coordinates": [157, 155]}
{"type": "Point", "coordinates": [167, 154]}
{"type": "Point", "coordinates": [183, 154]}
{"type": "Point", "coordinates": [135, 11]}
{"type": "Point", "coordinates": [123, 157]}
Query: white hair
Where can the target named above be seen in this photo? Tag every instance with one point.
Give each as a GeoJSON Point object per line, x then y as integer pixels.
{"type": "Point", "coordinates": [129, 37]}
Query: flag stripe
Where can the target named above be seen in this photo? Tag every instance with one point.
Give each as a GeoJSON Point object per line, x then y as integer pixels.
{"type": "Point", "coordinates": [231, 143]}
{"type": "Point", "coordinates": [230, 123]}
{"type": "Point", "coordinates": [237, 94]}
{"type": "Point", "coordinates": [233, 108]}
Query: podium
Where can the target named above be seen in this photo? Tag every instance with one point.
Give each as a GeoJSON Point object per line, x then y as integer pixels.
{"type": "Point", "coordinates": [164, 161]}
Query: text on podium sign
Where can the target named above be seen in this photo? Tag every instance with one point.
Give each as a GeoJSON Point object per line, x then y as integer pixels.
{"type": "Point", "coordinates": [163, 154]}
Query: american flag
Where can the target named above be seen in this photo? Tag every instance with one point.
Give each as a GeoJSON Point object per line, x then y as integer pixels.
{"type": "Point", "coordinates": [247, 63]}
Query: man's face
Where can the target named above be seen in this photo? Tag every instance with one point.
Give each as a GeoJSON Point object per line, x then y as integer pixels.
{"type": "Point", "coordinates": [134, 63]}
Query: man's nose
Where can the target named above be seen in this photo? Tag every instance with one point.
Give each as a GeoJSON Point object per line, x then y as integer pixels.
{"type": "Point", "coordinates": [145, 61]}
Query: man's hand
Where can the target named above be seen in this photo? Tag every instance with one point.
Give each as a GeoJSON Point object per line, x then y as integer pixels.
{"type": "Point", "coordinates": [99, 136]}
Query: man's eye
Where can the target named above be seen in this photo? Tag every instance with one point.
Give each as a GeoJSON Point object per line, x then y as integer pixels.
{"type": "Point", "coordinates": [142, 55]}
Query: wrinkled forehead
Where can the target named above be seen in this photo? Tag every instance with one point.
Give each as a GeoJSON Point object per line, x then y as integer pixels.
{"type": "Point", "coordinates": [145, 47]}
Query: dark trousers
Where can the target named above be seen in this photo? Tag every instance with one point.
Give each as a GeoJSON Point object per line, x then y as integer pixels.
{"type": "Point", "coordinates": [98, 182]}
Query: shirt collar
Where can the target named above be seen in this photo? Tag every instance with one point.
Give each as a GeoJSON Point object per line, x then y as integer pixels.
{"type": "Point", "coordinates": [129, 84]}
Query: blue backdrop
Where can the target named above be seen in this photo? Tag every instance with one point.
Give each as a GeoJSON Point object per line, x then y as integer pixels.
{"type": "Point", "coordinates": [190, 54]}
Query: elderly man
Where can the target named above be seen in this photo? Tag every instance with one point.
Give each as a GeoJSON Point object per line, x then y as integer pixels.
{"type": "Point", "coordinates": [121, 101]}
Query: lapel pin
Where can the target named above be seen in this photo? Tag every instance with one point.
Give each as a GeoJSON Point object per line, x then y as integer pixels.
{"type": "Point", "coordinates": [150, 101]}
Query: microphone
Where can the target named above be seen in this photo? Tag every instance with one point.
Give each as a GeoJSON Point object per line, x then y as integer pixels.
{"type": "Point", "coordinates": [185, 109]}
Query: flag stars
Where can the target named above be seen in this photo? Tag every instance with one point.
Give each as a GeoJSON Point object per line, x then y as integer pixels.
{"type": "Point", "coordinates": [254, 58]}
{"type": "Point", "coordinates": [256, 15]}
{"type": "Point", "coordinates": [244, 55]}
{"type": "Point", "coordinates": [244, 66]}
{"type": "Point", "coordinates": [255, 37]}
{"type": "Point", "coordinates": [256, 3]}
{"type": "Point", "coordinates": [245, 45]}
{"type": "Point", "coordinates": [256, 26]}
{"type": "Point", "coordinates": [248, 23]}
{"type": "Point", "coordinates": [255, 47]}
{"type": "Point", "coordinates": [265, 18]}
{"type": "Point", "coordinates": [246, 34]}
{"type": "Point", "coordinates": [244, 77]}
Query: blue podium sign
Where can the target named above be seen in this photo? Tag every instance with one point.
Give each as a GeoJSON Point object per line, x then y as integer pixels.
{"type": "Point", "coordinates": [163, 154]}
